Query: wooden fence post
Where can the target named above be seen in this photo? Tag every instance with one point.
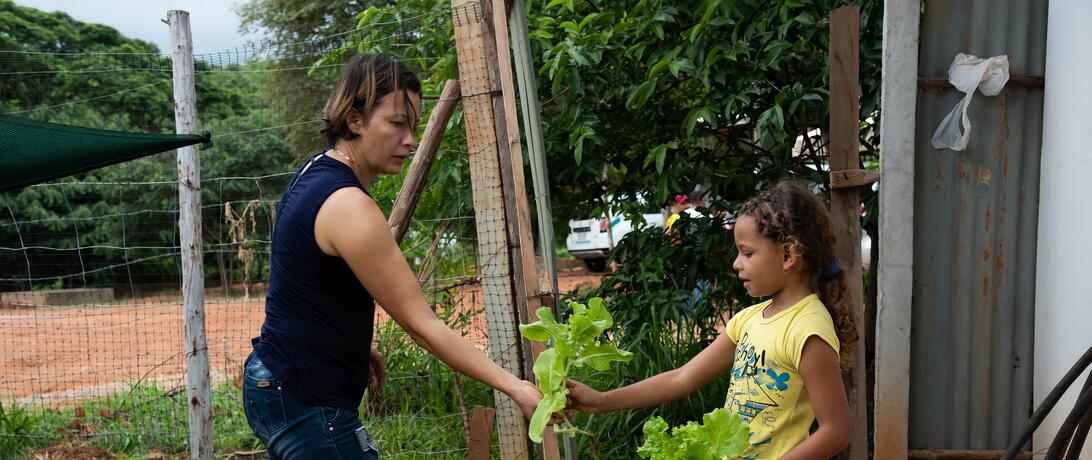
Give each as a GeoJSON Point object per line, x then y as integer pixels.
{"type": "Point", "coordinates": [481, 433]}
{"type": "Point", "coordinates": [845, 201]}
{"type": "Point", "coordinates": [189, 222]}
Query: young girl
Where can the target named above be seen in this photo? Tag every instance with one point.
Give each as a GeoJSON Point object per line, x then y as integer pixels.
{"type": "Point", "coordinates": [784, 353]}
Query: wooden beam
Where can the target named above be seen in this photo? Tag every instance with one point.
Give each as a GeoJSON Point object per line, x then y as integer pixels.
{"type": "Point", "coordinates": [417, 175]}
{"type": "Point", "coordinates": [520, 236]}
{"type": "Point", "coordinates": [524, 237]}
{"type": "Point", "coordinates": [845, 204]}
{"type": "Point", "coordinates": [517, 207]}
{"type": "Point", "coordinates": [536, 147]}
{"type": "Point", "coordinates": [475, 45]}
{"type": "Point", "coordinates": [894, 277]}
{"type": "Point", "coordinates": [943, 83]}
{"type": "Point", "coordinates": [940, 454]}
{"type": "Point", "coordinates": [845, 104]}
{"type": "Point", "coordinates": [853, 178]}
{"type": "Point", "coordinates": [481, 433]}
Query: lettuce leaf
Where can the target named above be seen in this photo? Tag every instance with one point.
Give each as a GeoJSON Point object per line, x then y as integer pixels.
{"type": "Point", "coordinates": [575, 344]}
{"type": "Point", "coordinates": [721, 435]}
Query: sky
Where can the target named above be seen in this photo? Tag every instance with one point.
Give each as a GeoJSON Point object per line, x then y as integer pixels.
{"type": "Point", "coordinates": [213, 24]}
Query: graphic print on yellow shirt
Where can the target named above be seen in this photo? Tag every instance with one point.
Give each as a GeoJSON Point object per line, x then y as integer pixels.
{"type": "Point", "coordinates": [766, 388]}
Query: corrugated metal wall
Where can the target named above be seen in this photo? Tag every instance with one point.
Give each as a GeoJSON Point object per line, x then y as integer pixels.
{"type": "Point", "coordinates": [975, 231]}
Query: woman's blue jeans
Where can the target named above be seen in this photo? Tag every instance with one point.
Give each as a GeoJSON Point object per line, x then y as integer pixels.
{"type": "Point", "coordinates": [292, 429]}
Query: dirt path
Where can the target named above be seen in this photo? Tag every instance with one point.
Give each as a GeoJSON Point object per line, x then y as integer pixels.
{"type": "Point", "coordinates": [54, 355]}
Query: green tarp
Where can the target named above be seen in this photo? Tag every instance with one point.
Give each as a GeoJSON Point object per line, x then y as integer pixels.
{"type": "Point", "coordinates": [33, 151]}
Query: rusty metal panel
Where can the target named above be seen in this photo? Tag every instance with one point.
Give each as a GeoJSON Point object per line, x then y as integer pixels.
{"type": "Point", "coordinates": [975, 231]}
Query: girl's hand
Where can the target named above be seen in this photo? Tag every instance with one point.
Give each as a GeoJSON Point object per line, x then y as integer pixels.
{"type": "Point", "coordinates": [585, 399]}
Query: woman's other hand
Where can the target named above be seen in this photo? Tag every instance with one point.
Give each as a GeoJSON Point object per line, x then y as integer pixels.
{"type": "Point", "coordinates": [377, 371]}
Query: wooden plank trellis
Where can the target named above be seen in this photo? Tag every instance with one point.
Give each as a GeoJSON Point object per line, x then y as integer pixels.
{"type": "Point", "coordinates": [492, 152]}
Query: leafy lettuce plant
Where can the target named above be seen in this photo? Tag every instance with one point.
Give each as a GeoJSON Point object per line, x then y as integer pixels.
{"type": "Point", "coordinates": [576, 344]}
{"type": "Point", "coordinates": [721, 435]}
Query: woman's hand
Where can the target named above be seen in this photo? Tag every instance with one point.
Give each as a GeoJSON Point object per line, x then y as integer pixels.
{"type": "Point", "coordinates": [377, 371]}
{"type": "Point", "coordinates": [526, 397]}
{"type": "Point", "coordinates": [585, 399]}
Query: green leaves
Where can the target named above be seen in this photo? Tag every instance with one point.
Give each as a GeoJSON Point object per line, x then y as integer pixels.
{"type": "Point", "coordinates": [703, 113]}
{"type": "Point", "coordinates": [680, 65]}
{"type": "Point", "coordinates": [568, 4]}
{"type": "Point", "coordinates": [599, 356]}
{"type": "Point", "coordinates": [720, 435]}
{"type": "Point", "coordinates": [700, 73]}
{"type": "Point", "coordinates": [641, 94]}
{"type": "Point", "coordinates": [659, 154]}
{"type": "Point", "coordinates": [549, 370]}
{"type": "Point", "coordinates": [725, 433]}
{"type": "Point", "coordinates": [536, 332]}
{"type": "Point", "coordinates": [584, 134]}
{"type": "Point", "coordinates": [576, 344]}
{"type": "Point", "coordinates": [551, 403]}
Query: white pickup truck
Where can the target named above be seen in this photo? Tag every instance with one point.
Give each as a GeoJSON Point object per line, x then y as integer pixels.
{"type": "Point", "coordinates": [589, 240]}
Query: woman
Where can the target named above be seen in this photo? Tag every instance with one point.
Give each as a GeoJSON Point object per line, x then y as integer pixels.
{"type": "Point", "coordinates": [332, 254]}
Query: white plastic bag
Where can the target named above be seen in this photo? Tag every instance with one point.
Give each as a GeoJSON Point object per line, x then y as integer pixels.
{"type": "Point", "coordinates": [967, 73]}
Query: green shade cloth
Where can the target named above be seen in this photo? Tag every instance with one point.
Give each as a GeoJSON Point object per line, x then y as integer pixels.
{"type": "Point", "coordinates": [33, 152]}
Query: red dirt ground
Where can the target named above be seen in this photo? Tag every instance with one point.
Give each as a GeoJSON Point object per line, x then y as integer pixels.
{"type": "Point", "coordinates": [56, 355]}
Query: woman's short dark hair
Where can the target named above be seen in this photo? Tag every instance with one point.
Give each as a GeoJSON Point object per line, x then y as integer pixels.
{"type": "Point", "coordinates": [364, 80]}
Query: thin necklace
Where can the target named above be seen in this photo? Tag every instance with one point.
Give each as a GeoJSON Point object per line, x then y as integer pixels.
{"type": "Point", "coordinates": [356, 168]}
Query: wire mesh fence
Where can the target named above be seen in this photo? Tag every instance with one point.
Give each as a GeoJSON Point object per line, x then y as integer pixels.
{"type": "Point", "coordinates": [116, 333]}
{"type": "Point", "coordinates": [92, 312]}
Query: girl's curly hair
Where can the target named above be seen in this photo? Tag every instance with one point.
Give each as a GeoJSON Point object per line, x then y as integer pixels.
{"type": "Point", "coordinates": [789, 213]}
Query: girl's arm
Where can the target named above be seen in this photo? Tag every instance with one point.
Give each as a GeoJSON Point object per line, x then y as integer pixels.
{"type": "Point", "coordinates": [823, 381]}
{"type": "Point", "coordinates": [351, 226]}
{"type": "Point", "coordinates": [658, 389]}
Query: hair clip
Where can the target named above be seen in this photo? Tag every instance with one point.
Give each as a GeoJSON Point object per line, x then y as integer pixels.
{"type": "Point", "coordinates": [833, 269]}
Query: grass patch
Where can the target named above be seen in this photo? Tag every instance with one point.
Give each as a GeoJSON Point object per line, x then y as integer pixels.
{"type": "Point", "coordinates": [150, 420]}
{"type": "Point", "coordinates": [420, 415]}
{"type": "Point", "coordinates": [129, 424]}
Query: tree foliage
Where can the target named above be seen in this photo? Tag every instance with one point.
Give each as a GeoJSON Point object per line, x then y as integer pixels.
{"type": "Point", "coordinates": [62, 70]}
{"type": "Point", "coordinates": [650, 98]}
{"type": "Point", "coordinates": [294, 23]}
{"type": "Point", "coordinates": [653, 98]}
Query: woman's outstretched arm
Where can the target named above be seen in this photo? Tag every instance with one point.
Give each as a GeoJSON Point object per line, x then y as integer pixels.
{"type": "Point", "coordinates": [351, 226]}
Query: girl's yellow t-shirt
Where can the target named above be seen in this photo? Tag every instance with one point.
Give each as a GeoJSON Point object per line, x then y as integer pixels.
{"type": "Point", "coordinates": [766, 388]}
